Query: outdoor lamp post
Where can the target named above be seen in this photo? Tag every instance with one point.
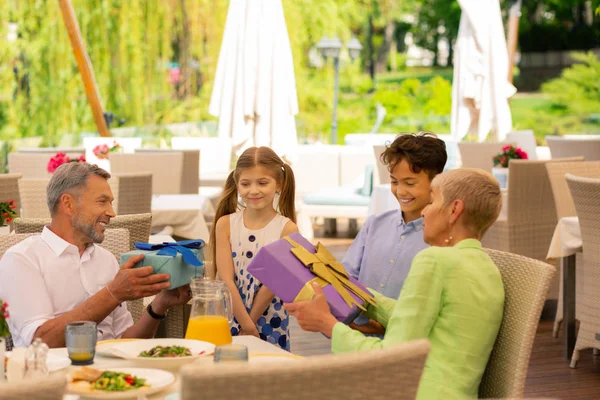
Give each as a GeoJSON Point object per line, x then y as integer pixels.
{"type": "Point", "coordinates": [332, 48]}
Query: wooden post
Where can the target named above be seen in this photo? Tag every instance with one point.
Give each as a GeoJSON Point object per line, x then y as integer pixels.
{"type": "Point", "coordinates": [513, 36]}
{"type": "Point", "coordinates": [84, 65]}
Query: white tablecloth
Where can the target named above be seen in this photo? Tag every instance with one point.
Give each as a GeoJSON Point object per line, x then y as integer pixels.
{"type": "Point", "coordinates": [184, 213]}
{"type": "Point", "coordinates": [255, 347]}
{"type": "Point", "coordinates": [566, 240]}
{"type": "Point", "coordinates": [383, 200]}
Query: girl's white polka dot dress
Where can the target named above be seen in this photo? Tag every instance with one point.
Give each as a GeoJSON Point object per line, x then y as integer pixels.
{"type": "Point", "coordinates": [245, 243]}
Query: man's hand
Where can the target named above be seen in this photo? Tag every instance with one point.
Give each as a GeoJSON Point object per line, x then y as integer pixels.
{"type": "Point", "coordinates": [313, 315]}
{"type": "Point", "coordinates": [370, 328]}
{"type": "Point", "coordinates": [132, 284]}
{"type": "Point", "coordinates": [171, 298]}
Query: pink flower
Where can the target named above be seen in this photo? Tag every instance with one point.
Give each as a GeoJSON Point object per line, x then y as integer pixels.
{"type": "Point", "coordinates": [56, 161]}
{"type": "Point", "coordinates": [506, 148]}
{"type": "Point", "coordinates": [101, 151]}
{"type": "Point", "coordinates": [60, 159]}
{"type": "Point", "coordinates": [522, 155]}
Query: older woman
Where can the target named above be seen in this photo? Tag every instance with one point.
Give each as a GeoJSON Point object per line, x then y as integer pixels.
{"type": "Point", "coordinates": [453, 295]}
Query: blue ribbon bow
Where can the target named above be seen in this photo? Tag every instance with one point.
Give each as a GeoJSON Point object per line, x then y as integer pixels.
{"type": "Point", "coordinates": [172, 248]}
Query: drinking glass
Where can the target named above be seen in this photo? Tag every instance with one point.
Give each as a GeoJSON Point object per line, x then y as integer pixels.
{"type": "Point", "coordinates": [81, 337]}
{"type": "Point", "coordinates": [231, 352]}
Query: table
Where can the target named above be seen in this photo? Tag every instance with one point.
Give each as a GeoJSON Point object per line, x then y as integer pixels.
{"type": "Point", "coordinates": [566, 243]}
{"type": "Point", "coordinates": [184, 213]}
{"type": "Point", "coordinates": [383, 200]}
{"type": "Point", "coordinates": [254, 344]}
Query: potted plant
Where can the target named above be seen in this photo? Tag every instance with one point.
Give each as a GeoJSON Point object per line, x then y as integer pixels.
{"type": "Point", "coordinates": [102, 151]}
{"type": "Point", "coordinates": [4, 333]}
{"type": "Point", "coordinates": [7, 212]}
{"type": "Point", "coordinates": [501, 160]}
{"type": "Point", "coordinates": [59, 159]}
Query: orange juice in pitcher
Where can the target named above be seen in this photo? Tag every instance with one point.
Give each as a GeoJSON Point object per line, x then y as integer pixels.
{"type": "Point", "coordinates": [209, 328]}
{"type": "Point", "coordinates": [211, 312]}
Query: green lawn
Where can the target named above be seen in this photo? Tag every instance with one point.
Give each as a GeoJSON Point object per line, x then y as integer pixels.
{"type": "Point", "coordinates": [422, 74]}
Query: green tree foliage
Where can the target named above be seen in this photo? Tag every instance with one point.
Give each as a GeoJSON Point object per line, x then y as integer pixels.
{"type": "Point", "coordinates": [577, 90]}
{"type": "Point", "coordinates": [436, 20]}
{"type": "Point", "coordinates": [129, 44]}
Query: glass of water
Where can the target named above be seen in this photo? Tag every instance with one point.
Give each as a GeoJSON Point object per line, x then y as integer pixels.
{"type": "Point", "coordinates": [231, 352]}
{"type": "Point", "coordinates": [81, 337]}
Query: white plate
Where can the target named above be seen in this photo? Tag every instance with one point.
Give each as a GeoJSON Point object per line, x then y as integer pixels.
{"type": "Point", "coordinates": [156, 378]}
{"type": "Point", "coordinates": [56, 363]}
{"type": "Point", "coordinates": [103, 347]}
{"type": "Point", "coordinates": [53, 362]}
{"type": "Point", "coordinates": [131, 351]}
{"type": "Point", "coordinates": [16, 364]}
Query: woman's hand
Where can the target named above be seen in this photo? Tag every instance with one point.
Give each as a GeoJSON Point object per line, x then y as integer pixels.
{"type": "Point", "coordinates": [313, 315]}
{"type": "Point", "coordinates": [370, 328]}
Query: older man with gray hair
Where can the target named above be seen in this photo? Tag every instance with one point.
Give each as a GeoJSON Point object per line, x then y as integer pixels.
{"type": "Point", "coordinates": [63, 276]}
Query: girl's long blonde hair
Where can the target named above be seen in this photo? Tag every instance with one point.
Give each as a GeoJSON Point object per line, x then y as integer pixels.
{"type": "Point", "coordinates": [281, 172]}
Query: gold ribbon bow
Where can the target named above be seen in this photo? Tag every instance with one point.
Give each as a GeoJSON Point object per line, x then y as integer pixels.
{"type": "Point", "coordinates": [328, 271]}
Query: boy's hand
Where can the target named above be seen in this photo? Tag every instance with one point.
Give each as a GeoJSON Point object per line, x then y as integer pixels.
{"type": "Point", "coordinates": [370, 328]}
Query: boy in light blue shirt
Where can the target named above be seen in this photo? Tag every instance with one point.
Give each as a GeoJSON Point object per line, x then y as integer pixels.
{"type": "Point", "coordinates": [381, 255]}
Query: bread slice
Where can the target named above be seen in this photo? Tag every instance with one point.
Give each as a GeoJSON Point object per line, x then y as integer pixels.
{"type": "Point", "coordinates": [86, 374]}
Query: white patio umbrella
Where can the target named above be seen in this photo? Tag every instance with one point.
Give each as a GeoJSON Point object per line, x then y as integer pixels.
{"type": "Point", "coordinates": [254, 94]}
{"type": "Point", "coordinates": [481, 88]}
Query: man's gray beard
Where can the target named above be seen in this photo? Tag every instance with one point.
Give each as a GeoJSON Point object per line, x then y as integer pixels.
{"type": "Point", "coordinates": [88, 229]}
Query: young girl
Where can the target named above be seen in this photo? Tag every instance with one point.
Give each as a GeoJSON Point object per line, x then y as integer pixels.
{"type": "Point", "coordinates": [245, 224]}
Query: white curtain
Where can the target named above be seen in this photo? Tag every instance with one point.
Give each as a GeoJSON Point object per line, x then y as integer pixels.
{"type": "Point", "coordinates": [481, 88]}
{"type": "Point", "coordinates": [254, 94]}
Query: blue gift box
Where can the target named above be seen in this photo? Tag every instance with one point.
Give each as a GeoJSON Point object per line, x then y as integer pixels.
{"type": "Point", "coordinates": [182, 260]}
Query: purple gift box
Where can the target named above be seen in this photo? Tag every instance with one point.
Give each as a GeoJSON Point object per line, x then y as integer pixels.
{"type": "Point", "coordinates": [285, 275]}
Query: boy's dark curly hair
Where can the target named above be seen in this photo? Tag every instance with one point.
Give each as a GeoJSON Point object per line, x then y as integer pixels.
{"type": "Point", "coordinates": [423, 152]}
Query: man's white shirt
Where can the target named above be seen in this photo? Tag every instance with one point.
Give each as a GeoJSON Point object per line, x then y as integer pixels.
{"type": "Point", "coordinates": [43, 277]}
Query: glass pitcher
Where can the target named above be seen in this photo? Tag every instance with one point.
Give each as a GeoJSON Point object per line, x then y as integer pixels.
{"type": "Point", "coordinates": [211, 312]}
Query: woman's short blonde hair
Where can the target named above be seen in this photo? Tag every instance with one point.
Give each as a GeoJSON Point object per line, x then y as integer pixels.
{"type": "Point", "coordinates": [480, 193]}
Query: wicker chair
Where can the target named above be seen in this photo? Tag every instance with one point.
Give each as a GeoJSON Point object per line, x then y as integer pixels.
{"type": "Point", "coordinates": [33, 198]}
{"type": "Point", "coordinates": [215, 157]}
{"type": "Point", "coordinates": [480, 155]}
{"type": "Point", "coordinates": [323, 377]}
{"type": "Point", "coordinates": [566, 208]}
{"type": "Point", "coordinates": [190, 178]}
{"type": "Point", "coordinates": [29, 165]}
{"type": "Point", "coordinates": [562, 196]}
{"type": "Point", "coordinates": [531, 215]}
{"type": "Point", "coordinates": [48, 388]}
{"type": "Point", "coordinates": [72, 152]}
{"type": "Point", "coordinates": [586, 192]}
{"type": "Point", "coordinates": [9, 189]}
{"type": "Point", "coordinates": [166, 169]}
{"type": "Point", "coordinates": [526, 141]}
{"type": "Point", "coordinates": [584, 146]}
{"type": "Point", "coordinates": [132, 192]}
{"type": "Point", "coordinates": [526, 282]}
{"type": "Point", "coordinates": [137, 224]}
